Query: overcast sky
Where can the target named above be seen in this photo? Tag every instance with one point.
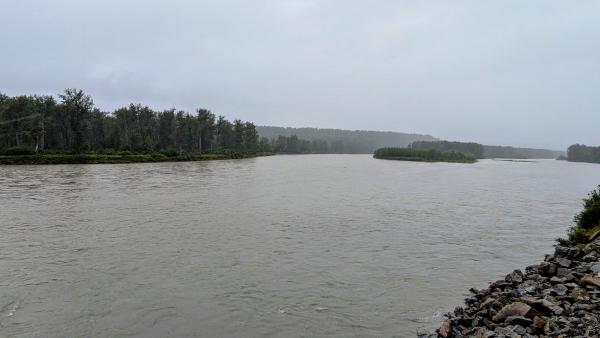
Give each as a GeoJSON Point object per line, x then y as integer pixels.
{"type": "Point", "coordinates": [498, 72]}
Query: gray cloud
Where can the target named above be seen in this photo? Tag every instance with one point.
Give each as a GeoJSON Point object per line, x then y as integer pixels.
{"type": "Point", "coordinates": [509, 72]}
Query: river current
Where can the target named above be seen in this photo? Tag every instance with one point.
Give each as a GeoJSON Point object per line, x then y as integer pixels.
{"type": "Point", "coordinates": [281, 246]}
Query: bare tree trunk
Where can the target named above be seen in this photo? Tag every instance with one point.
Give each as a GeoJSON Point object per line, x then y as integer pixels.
{"type": "Point", "coordinates": [42, 137]}
{"type": "Point", "coordinates": [200, 143]}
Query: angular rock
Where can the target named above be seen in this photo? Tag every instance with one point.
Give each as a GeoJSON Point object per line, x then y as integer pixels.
{"type": "Point", "coordinates": [560, 289]}
{"type": "Point", "coordinates": [551, 307]}
{"type": "Point", "coordinates": [564, 262]}
{"type": "Point", "coordinates": [514, 277]}
{"type": "Point", "coordinates": [514, 309]}
{"type": "Point", "coordinates": [487, 302]}
{"type": "Point", "coordinates": [518, 320]}
{"type": "Point", "coordinates": [591, 257]}
{"type": "Point", "coordinates": [446, 329]}
{"type": "Point", "coordinates": [518, 329]}
{"type": "Point", "coordinates": [562, 272]}
{"type": "Point", "coordinates": [589, 280]}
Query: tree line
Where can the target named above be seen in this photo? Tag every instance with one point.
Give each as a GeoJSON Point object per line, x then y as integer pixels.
{"type": "Point", "coordinates": [583, 153]}
{"type": "Point", "coordinates": [485, 151]}
{"type": "Point", "coordinates": [295, 145]}
{"type": "Point", "coordinates": [73, 124]}
{"type": "Point", "coordinates": [340, 141]}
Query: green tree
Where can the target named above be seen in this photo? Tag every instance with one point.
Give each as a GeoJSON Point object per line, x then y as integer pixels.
{"type": "Point", "coordinates": [166, 129]}
{"type": "Point", "coordinates": [207, 129]}
{"type": "Point", "coordinates": [77, 107]}
{"type": "Point", "coordinates": [238, 134]}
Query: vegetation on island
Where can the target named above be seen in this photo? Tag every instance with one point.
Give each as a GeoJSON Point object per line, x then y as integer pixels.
{"type": "Point", "coordinates": [583, 153]}
{"type": "Point", "coordinates": [587, 222]}
{"type": "Point", "coordinates": [470, 148]}
{"type": "Point", "coordinates": [485, 151]}
{"type": "Point", "coordinates": [422, 155]}
{"type": "Point", "coordinates": [39, 129]}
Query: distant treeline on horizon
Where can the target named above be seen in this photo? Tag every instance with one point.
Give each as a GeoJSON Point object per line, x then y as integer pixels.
{"type": "Point", "coordinates": [481, 151]}
{"type": "Point", "coordinates": [583, 153]}
{"type": "Point", "coordinates": [73, 124]}
{"type": "Point", "coordinates": [317, 140]}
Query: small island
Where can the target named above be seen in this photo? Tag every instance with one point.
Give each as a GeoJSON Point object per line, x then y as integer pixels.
{"type": "Point", "coordinates": [583, 153]}
{"type": "Point", "coordinates": [422, 155]}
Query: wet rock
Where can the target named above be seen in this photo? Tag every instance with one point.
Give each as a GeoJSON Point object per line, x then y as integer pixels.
{"type": "Point", "coordinates": [446, 329]}
{"type": "Point", "coordinates": [514, 309]}
{"type": "Point", "coordinates": [564, 262]}
{"type": "Point", "coordinates": [588, 280]}
{"type": "Point", "coordinates": [518, 329]}
{"type": "Point", "coordinates": [560, 251]}
{"type": "Point", "coordinates": [591, 257]}
{"type": "Point", "coordinates": [518, 320]}
{"type": "Point", "coordinates": [551, 307]}
{"type": "Point", "coordinates": [559, 297]}
{"type": "Point", "coordinates": [560, 289]}
{"type": "Point", "coordinates": [562, 272]}
{"type": "Point", "coordinates": [514, 277]}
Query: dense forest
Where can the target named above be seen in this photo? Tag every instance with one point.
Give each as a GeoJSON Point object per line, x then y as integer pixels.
{"type": "Point", "coordinates": [422, 155]}
{"type": "Point", "coordinates": [484, 151]}
{"type": "Point", "coordinates": [73, 124]}
{"type": "Point", "coordinates": [473, 149]}
{"type": "Point", "coordinates": [583, 153]}
{"type": "Point", "coordinates": [339, 141]}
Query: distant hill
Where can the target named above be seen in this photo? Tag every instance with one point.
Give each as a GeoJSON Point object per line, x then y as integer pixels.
{"type": "Point", "coordinates": [346, 141]}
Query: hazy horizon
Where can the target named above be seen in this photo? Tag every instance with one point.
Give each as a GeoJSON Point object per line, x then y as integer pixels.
{"type": "Point", "coordinates": [505, 73]}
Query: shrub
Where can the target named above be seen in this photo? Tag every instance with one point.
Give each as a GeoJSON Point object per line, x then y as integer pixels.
{"type": "Point", "coordinates": [158, 157]}
{"type": "Point", "coordinates": [590, 216]}
{"type": "Point", "coordinates": [170, 152]}
{"type": "Point", "coordinates": [587, 221]}
{"type": "Point", "coordinates": [19, 151]}
{"type": "Point", "coordinates": [108, 151]}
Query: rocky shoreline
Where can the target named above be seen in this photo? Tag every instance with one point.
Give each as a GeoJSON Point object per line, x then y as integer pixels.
{"type": "Point", "coordinates": [559, 297]}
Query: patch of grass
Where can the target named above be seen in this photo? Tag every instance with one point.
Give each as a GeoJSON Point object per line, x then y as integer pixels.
{"type": "Point", "coordinates": [120, 157]}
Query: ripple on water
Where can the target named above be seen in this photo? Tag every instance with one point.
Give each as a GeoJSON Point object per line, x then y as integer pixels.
{"type": "Point", "coordinates": [323, 245]}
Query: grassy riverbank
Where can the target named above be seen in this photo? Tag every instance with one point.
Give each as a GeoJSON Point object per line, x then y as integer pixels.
{"type": "Point", "coordinates": [122, 157]}
{"type": "Point", "coordinates": [422, 155]}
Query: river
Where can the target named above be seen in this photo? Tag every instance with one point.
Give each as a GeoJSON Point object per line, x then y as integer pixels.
{"type": "Point", "coordinates": [281, 246]}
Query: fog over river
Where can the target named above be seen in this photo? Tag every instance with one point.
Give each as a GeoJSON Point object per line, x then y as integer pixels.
{"type": "Point", "coordinates": [281, 246]}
